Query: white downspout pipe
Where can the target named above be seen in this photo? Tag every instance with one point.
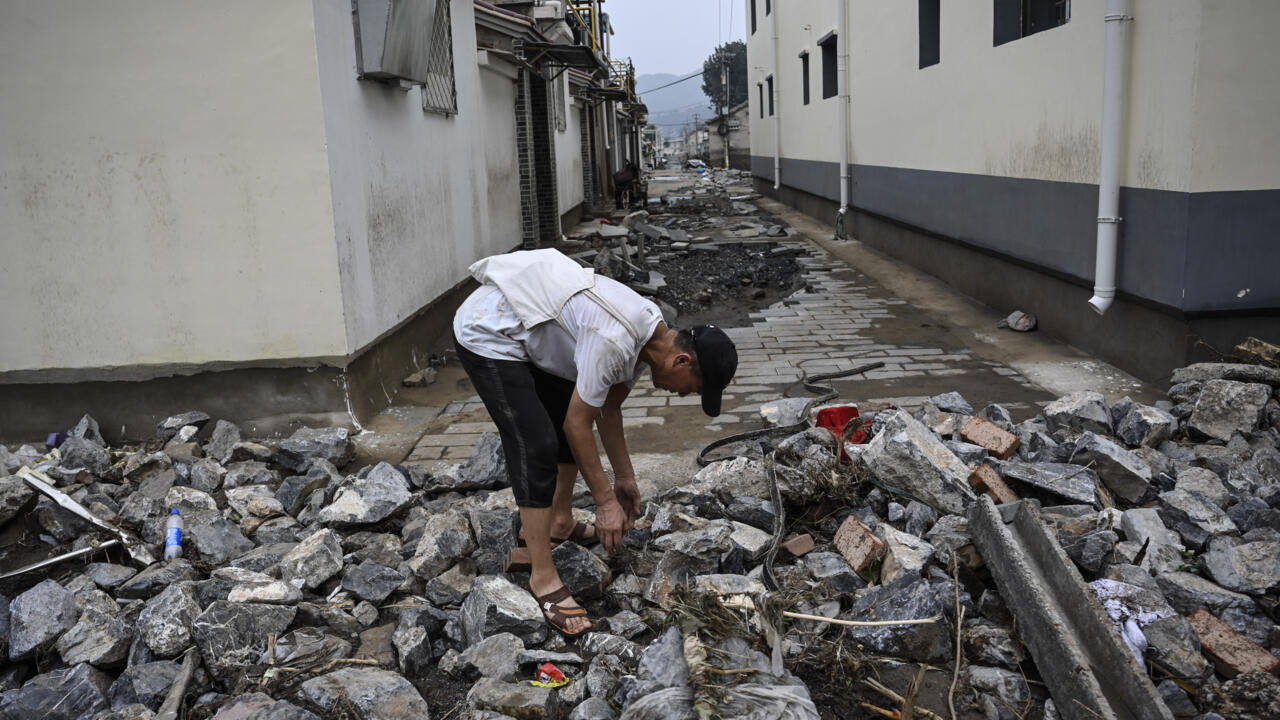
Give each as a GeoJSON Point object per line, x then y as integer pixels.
{"type": "Point", "coordinates": [777, 107]}
{"type": "Point", "coordinates": [1115, 74]}
{"type": "Point", "coordinates": [842, 65]}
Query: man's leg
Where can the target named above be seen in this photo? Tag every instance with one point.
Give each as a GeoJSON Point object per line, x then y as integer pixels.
{"type": "Point", "coordinates": [530, 446]}
{"type": "Point", "coordinates": [554, 393]}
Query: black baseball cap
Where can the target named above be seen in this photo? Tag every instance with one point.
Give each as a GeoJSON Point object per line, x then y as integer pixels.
{"type": "Point", "coordinates": [717, 360]}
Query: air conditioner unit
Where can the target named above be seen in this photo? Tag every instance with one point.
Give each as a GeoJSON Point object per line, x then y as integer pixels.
{"type": "Point", "coordinates": [393, 38]}
{"type": "Point", "coordinates": [549, 10]}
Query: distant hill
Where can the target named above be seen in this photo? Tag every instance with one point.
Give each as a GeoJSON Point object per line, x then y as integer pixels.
{"type": "Point", "coordinates": [673, 108]}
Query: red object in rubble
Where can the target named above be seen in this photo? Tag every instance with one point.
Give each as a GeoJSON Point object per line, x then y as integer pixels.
{"type": "Point", "coordinates": [550, 676]}
{"type": "Point", "coordinates": [835, 418]}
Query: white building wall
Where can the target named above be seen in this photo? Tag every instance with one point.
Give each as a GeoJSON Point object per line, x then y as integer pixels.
{"type": "Point", "coordinates": [164, 189]}
{"type": "Point", "coordinates": [569, 156]}
{"type": "Point", "coordinates": [412, 207]}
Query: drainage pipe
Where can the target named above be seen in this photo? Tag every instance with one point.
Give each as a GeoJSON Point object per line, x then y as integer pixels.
{"type": "Point", "coordinates": [842, 65]}
{"type": "Point", "coordinates": [777, 108]}
{"type": "Point", "coordinates": [1115, 73]}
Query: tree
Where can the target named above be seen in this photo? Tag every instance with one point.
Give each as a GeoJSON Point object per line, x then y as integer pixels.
{"type": "Point", "coordinates": [735, 55]}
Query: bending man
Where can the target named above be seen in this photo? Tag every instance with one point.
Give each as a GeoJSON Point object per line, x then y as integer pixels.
{"type": "Point", "coordinates": [552, 351]}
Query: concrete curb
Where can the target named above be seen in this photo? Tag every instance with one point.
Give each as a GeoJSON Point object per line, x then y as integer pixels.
{"type": "Point", "coordinates": [1089, 670]}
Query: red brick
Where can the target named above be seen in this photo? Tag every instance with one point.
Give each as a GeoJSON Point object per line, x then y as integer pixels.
{"type": "Point", "coordinates": [997, 441]}
{"type": "Point", "coordinates": [859, 546]}
{"type": "Point", "coordinates": [986, 480]}
{"type": "Point", "coordinates": [799, 545]}
{"type": "Point", "coordinates": [1231, 653]}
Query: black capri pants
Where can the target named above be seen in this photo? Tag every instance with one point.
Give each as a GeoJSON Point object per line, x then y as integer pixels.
{"type": "Point", "coordinates": [529, 406]}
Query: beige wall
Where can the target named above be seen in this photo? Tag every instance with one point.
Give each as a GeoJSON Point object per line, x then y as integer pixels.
{"type": "Point", "coordinates": [164, 190]}
{"type": "Point", "coordinates": [1203, 93]}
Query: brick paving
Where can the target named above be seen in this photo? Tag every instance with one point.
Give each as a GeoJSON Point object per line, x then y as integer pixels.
{"type": "Point", "coordinates": [830, 326]}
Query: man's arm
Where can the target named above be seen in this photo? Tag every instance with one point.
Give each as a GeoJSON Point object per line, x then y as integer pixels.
{"type": "Point", "coordinates": [615, 446]}
{"type": "Point", "coordinates": [610, 517]}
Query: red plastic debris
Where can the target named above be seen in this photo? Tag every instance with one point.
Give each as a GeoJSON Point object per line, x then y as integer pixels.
{"type": "Point", "coordinates": [550, 676]}
{"type": "Point", "coordinates": [835, 418]}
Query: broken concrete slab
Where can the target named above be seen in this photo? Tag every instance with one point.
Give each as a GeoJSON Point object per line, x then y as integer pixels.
{"type": "Point", "coordinates": [1226, 407]}
{"type": "Point", "coordinates": [907, 456]}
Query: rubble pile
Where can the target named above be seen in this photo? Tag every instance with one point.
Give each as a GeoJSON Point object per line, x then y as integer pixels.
{"type": "Point", "coordinates": [309, 588]}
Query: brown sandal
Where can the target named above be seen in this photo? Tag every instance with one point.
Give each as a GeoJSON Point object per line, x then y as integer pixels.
{"type": "Point", "coordinates": [558, 615]}
{"type": "Point", "coordinates": [578, 534]}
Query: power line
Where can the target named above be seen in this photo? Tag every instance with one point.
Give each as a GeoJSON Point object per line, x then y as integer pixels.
{"type": "Point", "coordinates": [673, 82]}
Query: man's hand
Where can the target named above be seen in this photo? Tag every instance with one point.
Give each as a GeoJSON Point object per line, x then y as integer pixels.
{"type": "Point", "coordinates": [610, 522]}
{"type": "Point", "coordinates": [629, 498]}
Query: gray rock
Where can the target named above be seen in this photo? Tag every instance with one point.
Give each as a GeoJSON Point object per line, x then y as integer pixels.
{"type": "Point", "coordinates": [215, 539]}
{"type": "Point", "coordinates": [225, 437]}
{"type": "Point", "coordinates": [265, 589]}
{"type": "Point", "coordinates": [261, 559]}
{"type": "Point", "coordinates": [1177, 700]}
{"type": "Point", "coordinates": [101, 636]}
{"type": "Point", "coordinates": [134, 711]}
{"type": "Point", "coordinates": [496, 605]}
{"type": "Point", "coordinates": [1187, 593]}
{"type": "Point", "coordinates": [741, 476]}
{"type": "Point", "coordinates": [1204, 372]}
{"type": "Point", "coordinates": [952, 402]}
{"type": "Point", "coordinates": [1084, 411]}
{"type": "Point", "coordinates": [1174, 646]}
{"type": "Point", "coordinates": [412, 641]}
{"type": "Point", "coordinates": [82, 454]}
{"type": "Point", "coordinates": [602, 675]}
{"type": "Point", "coordinates": [145, 684]}
{"type": "Point", "coordinates": [206, 475]}
{"type": "Point", "coordinates": [752, 511]}
{"type": "Point", "coordinates": [1194, 517]}
{"type": "Point", "coordinates": [1145, 426]}
{"type": "Point", "coordinates": [497, 657]}
{"type": "Point", "coordinates": [1205, 482]}
{"type": "Point", "coordinates": [451, 586]}
{"type": "Point", "coordinates": [908, 598]}
{"type": "Point", "coordinates": [371, 581]}
{"type": "Point", "coordinates": [832, 569]}
{"type": "Point", "coordinates": [602, 643]}
{"type": "Point", "coordinates": [156, 578]}
{"type": "Point", "coordinates": [1143, 524]}
{"type": "Point", "coordinates": [920, 518]}
{"type": "Point", "coordinates": [1252, 513]}
{"type": "Point", "coordinates": [1124, 473]}
{"type": "Point", "coordinates": [904, 553]}
{"type": "Point", "coordinates": [279, 530]}
{"type": "Point", "coordinates": [1089, 550]}
{"type": "Point", "coordinates": [971, 454]}
{"type": "Point", "coordinates": [446, 539]}
{"type": "Point", "coordinates": [907, 456]}
{"type": "Point", "coordinates": [15, 497]}
{"type": "Point", "coordinates": [87, 428]}
{"type": "Point", "coordinates": [784, 411]}
{"type": "Point", "coordinates": [306, 444]}
{"type": "Point", "coordinates": [582, 571]}
{"type": "Point", "coordinates": [108, 576]}
{"type": "Point", "coordinates": [260, 706]}
{"type": "Point", "coordinates": [167, 428]}
{"type": "Point", "coordinates": [1226, 407]}
{"type": "Point", "coordinates": [62, 524]}
{"type": "Point", "coordinates": [165, 622]}
{"type": "Point", "coordinates": [1008, 687]}
{"type": "Point", "coordinates": [1076, 483]}
{"type": "Point", "coordinates": [232, 636]}
{"type": "Point", "coordinates": [254, 500]}
{"type": "Point", "coordinates": [676, 569]}
{"type": "Point", "coordinates": [248, 472]}
{"type": "Point", "coordinates": [371, 693]}
{"type": "Point", "coordinates": [486, 468]}
{"type": "Point", "coordinates": [988, 644]}
{"type": "Point", "coordinates": [1248, 567]}
{"type": "Point", "coordinates": [520, 700]}
{"type": "Point", "coordinates": [313, 560]}
{"type": "Point", "coordinates": [38, 616]}
{"type": "Point", "coordinates": [593, 708]}
{"type": "Point", "coordinates": [74, 693]}
{"type": "Point", "coordinates": [361, 501]}
{"type": "Point", "coordinates": [663, 662]}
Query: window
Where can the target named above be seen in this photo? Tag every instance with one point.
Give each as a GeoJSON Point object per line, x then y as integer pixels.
{"type": "Point", "coordinates": [1013, 19]}
{"type": "Point", "coordinates": [929, 35]}
{"type": "Point", "coordinates": [439, 93]}
{"type": "Point", "coordinates": [830, 78]}
{"type": "Point", "coordinates": [760, 87]}
{"type": "Point", "coordinates": [753, 16]}
{"type": "Point", "coordinates": [769, 81]}
{"type": "Point", "coordinates": [804, 76]}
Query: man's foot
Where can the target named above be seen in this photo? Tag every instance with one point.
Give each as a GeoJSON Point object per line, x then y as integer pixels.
{"type": "Point", "coordinates": [563, 612]}
{"type": "Point", "coordinates": [579, 532]}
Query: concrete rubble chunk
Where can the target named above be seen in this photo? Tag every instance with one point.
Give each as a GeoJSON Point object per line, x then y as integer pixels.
{"type": "Point", "coordinates": [370, 693]}
{"type": "Point", "coordinates": [582, 571]}
{"type": "Point", "coordinates": [1144, 524]}
{"type": "Point", "coordinates": [145, 684]}
{"type": "Point", "coordinates": [1226, 407]}
{"type": "Point", "coordinates": [1175, 649]}
{"type": "Point", "coordinates": [1077, 483]}
{"type": "Point", "coordinates": [1239, 372]}
{"type": "Point", "coordinates": [1205, 482]}
{"type": "Point", "coordinates": [1229, 651]}
{"type": "Point", "coordinates": [169, 427]}
{"type": "Point", "coordinates": [103, 633]}
{"type": "Point", "coordinates": [166, 620]}
{"type": "Point", "coordinates": [908, 598]}
{"type": "Point", "coordinates": [497, 657]}
{"type": "Point", "coordinates": [1084, 411]}
{"type": "Point", "coordinates": [1145, 426]}
{"type": "Point", "coordinates": [15, 496]}
{"type": "Point", "coordinates": [446, 539]}
{"type": "Point", "coordinates": [907, 456]}
{"type": "Point", "coordinates": [38, 617]}
{"type": "Point", "coordinates": [232, 636]}
{"type": "Point", "coordinates": [1194, 517]}
{"type": "Point", "coordinates": [260, 706]}
{"type": "Point", "coordinates": [905, 554]}
{"type": "Point", "coordinates": [81, 454]}
{"type": "Point", "coordinates": [1124, 473]}
{"type": "Point", "coordinates": [1248, 567]}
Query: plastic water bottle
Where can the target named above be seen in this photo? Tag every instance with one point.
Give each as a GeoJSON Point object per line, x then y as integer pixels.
{"type": "Point", "coordinates": [173, 535]}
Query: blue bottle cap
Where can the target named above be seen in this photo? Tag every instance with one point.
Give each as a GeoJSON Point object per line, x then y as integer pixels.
{"type": "Point", "coordinates": [173, 511]}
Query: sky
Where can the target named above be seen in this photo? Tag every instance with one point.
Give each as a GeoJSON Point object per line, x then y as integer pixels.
{"type": "Point", "coordinates": [673, 36]}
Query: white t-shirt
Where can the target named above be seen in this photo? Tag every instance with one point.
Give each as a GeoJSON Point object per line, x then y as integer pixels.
{"type": "Point", "coordinates": [585, 343]}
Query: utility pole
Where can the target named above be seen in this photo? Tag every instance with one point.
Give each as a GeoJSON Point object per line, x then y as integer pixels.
{"type": "Point", "coordinates": [724, 114]}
